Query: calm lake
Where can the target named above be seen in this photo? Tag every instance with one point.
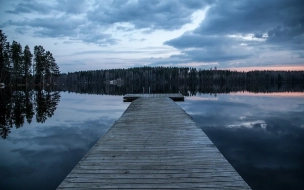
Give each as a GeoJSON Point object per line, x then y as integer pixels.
{"type": "Point", "coordinates": [261, 135]}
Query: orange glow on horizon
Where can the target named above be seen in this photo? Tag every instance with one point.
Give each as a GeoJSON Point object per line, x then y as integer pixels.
{"type": "Point", "coordinates": [282, 94]}
{"type": "Point", "coordinates": [272, 68]}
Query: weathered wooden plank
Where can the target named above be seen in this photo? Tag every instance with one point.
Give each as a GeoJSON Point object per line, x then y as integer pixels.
{"type": "Point", "coordinates": [98, 169]}
{"type": "Point", "coordinates": [152, 165]}
{"type": "Point", "coordinates": [172, 176]}
{"type": "Point", "coordinates": [151, 181]}
{"type": "Point", "coordinates": [145, 152]}
{"type": "Point", "coordinates": [154, 145]}
{"type": "Point", "coordinates": [213, 185]}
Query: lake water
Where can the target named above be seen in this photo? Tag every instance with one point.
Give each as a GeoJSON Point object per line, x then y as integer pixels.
{"type": "Point", "coordinates": [261, 135]}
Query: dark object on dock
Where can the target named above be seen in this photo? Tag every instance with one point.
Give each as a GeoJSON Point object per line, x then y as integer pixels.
{"type": "Point", "coordinates": [154, 145]}
{"type": "Point", "coordinates": [174, 97]}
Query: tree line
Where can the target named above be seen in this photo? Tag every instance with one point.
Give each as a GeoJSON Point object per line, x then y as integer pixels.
{"type": "Point", "coordinates": [184, 76]}
{"type": "Point", "coordinates": [19, 66]}
{"type": "Point", "coordinates": [187, 81]}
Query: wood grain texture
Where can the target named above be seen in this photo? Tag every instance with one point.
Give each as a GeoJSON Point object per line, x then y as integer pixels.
{"type": "Point", "coordinates": [154, 145]}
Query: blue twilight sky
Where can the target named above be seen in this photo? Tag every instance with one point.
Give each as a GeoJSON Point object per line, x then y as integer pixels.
{"type": "Point", "coordinates": [102, 34]}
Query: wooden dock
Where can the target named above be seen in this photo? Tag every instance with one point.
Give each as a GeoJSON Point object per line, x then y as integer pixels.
{"type": "Point", "coordinates": [131, 97]}
{"type": "Point", "coordinates": [154, 145]}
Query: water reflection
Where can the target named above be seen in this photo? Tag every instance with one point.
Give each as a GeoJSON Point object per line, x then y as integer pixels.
{"type": "Point", "coordinates": [40, 155]}
{"type": "Point", "coordinates": [177, 86]}
{"type": "Point", "coordinates": [18, 106]}
{"type": "Point", "coordinates": [261, 136]}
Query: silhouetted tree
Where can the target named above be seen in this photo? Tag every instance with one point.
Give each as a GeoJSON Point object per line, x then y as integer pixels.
{"type": "Point", "coordinates": [27, 63]}
{"type": "Point", "coordinates": [40, 64]}
{"type": "Point", "coordinates": [4, 59]}
{"type": "Point", "coordinates": [15, 64]}
{"type": "Point", "coordinates": [16, 59]}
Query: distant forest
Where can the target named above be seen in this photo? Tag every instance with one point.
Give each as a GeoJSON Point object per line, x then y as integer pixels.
{"type": "Point", "coordinates": [19, 67]}
{"type": "Point", "coordinates": [185, 80]}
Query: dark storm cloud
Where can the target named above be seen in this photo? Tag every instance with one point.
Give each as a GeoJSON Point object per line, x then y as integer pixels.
{"type": "Point", "coordinates": [290, 37]}
{"type": "Point", "coordinates": [32, 6]}
{"type": "Point", "coordinates": [252, 16]}
{"type": "Point", "coordinates": [190, 40]}
{"type": "Point", "coordinates": [71, 6]}
{"type": "Point", "coordinates": [279, 23]}
{"type": "Point", "coordinates": [64, 26]}
{"type": "Point", "coordinates": [100, 39]}
{"type": "Point", "coordinates": [153, 14]}
{"type": "Point", "coordinates": [50, 26]}
{"type": "Point", "coordinates": [60, 20]}
{"type": "Point", "coordinates": [214, 54]}
{"type": "Point", "coordinates": [209, 48]}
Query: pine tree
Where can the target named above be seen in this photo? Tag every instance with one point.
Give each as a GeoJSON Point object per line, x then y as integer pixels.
{"type": "Point", "coordinates": [4, 59]}
{"type": "Point", "coordinates": [16, 65]}
{"type": "Point", "coordinates": [52, 68]}
{"type": "Point", "coordinates": [16, 59]}
{"type": "Point", "coordinates": [40, 62]}
{"type": "Point", "coordinates": [27, 62]}
{"type": "Point", "coordinates": [47, 66]}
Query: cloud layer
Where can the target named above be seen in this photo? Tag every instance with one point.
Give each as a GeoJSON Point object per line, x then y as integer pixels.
{"type": "Point", "coordinates": [234, 30]}
{"type": "Point", "coordinates": [229, 34]}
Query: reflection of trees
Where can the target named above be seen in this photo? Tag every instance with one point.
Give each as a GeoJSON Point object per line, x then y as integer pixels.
{"type": "Point", "coordinates": [29, 107]}
{"type": "Point", "coordinates": [186, 89]}
{"type": "Point", "coordinates": [18, 107]}
{"type": "Point", "coordinates": [46, 103]}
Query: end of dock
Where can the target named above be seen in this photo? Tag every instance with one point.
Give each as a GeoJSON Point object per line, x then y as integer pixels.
{"type": "Point", "coordinates": [131, 97]}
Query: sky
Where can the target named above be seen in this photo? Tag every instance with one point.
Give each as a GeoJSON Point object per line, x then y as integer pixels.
{"type": "Point", "coordinates": [109, 34]}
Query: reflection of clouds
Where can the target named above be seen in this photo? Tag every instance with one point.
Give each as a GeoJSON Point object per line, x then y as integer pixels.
{"type": "Point", "coordinates": [250, 124]}
{"type": "Point", "coordinates": [101, 112]}
{"type": "Point", "coordinates": [262, 137]}
{"type": "Point", "coordinates": [275, 94]}
{"type": "Point", "coordinates": [80, 107]}
{"type": "Point", "coordinates": [285, 125]}
{"type": "Point", "coordinates": [214, 107]}
{"type": "Point", "coordinates": [201, 98]}
{"type": "Point", "coordinates": [51, 152]}
{"type": "Point", "coordinates": [47, 152]}
{"type": "Point", "coordinates": [301, 106]}
{"type": "Point", "coordinates": [261, 156]}
{"type": "Point", "coordinates": [242, 117]}
{"type": "Point", "coordinates": [66, 135]}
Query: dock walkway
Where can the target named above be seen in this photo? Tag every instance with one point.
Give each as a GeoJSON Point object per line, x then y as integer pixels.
{"type": "Point", "coordinates": [154, 145]}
